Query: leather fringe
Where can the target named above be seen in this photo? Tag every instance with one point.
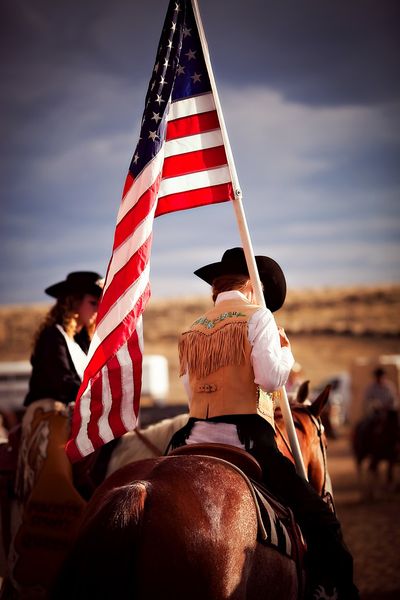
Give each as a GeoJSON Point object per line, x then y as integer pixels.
{"type": "Point", "coordinates": [201, 354]}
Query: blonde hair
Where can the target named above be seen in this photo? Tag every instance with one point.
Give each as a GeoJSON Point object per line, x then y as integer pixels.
{"type": "Point", "coordinates": [64, 313]}
{"type": "Point", "coordinates": [225, 283]}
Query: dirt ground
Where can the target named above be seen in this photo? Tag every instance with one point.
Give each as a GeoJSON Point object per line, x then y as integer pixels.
{"type": "Point", "coordinates": [371, 528]}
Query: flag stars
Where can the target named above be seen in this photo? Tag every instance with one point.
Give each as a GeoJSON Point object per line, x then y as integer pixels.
{"type": "Point", "coordinates": [173, 25]}
{"type": "Point", "coordinates": [180, 70]}
{"type": "Point", "coordinates": [170, 44]}
{"type": "Point", "coordinates": [191, 54]}
{"type": "Point", "coordinates": [156, 117]}
{"type": "Point", "coordinates": [155, 70]}
{"type": "Point", "coordinates": [177, 7]}
{"type": "Point", "coordinates": [166, 63]}
{"type": "Point", "coordinates": [153, 135]}
{"type": "Point", "coordinates": [162, 81]}
{"type": "Point", "coordinates": [135, 158]}
{"type": "Point", "coordinates": [159, 99]}
{"type": "Point", "coordinates": [186, 32]}
{"type": "Point", "coordinates": [196, 77]}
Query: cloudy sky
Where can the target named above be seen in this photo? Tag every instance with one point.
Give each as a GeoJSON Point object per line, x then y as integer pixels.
{"type": "Point", "coordinates": [310, 93]}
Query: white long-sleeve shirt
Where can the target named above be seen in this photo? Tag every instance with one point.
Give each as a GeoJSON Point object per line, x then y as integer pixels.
{"type": "Point", "coordinates": [271, 364]}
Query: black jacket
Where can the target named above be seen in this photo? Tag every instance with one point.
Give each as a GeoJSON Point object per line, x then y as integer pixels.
{"type": "Point", "coordinates": [53, 373]}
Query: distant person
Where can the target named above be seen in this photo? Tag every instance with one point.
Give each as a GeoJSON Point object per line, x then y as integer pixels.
{"type": "Point", "coordinates": [51, 506]}
{"type": "Point", "coordinates": [233, 360]}
{"type": "Point", "coordinates": [380, 395]}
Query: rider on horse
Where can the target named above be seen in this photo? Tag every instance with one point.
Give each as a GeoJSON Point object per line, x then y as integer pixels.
{"type": "Point", "coordinates": [380, 394]}
{"type": "Point", "coordinates": [233, 359]}
{"type": "Point", "coordinates": [51, 506]}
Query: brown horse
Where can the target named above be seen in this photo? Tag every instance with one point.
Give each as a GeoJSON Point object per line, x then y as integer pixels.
{"type": "Point", "coordinates": [376, 439]}
{"type": "Point", "coordinates": [311, 436]}
{"type": "Point", "coordinates": [178, 527]}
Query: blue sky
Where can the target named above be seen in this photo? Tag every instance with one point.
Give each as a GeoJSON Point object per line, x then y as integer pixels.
{"type": "Point", "coordinates": [310, 93]}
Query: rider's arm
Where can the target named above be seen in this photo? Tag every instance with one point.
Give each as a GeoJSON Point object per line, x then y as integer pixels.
{"type": "Point", "coordinates": [272, 363]}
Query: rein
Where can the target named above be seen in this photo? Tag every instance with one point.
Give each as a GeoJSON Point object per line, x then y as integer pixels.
{"type": "Point", "coordinates": [320, 431]}
{"type": "Point", "coordinates": [156, 451]}
{"type": "Point", "coordinates": [279, 430]}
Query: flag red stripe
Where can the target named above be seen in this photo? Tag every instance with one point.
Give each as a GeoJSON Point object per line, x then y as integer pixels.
{"type": "Point", "coordinates": [128, 184]}
{"type": "Point", "coordinates": [192, 125]}
{"type": "Point", "coordinates": [195, 198]}
{"type": "Point", "coordinates": [136, 356]}
{"type": "Point", "coordinates": [114, 377]}
{"type": "Point", "coordinates": [139, 211]}
{"type": "Point", "coordinates": [72, 451]}
{"type": "Point", "coordinates": [96, 409]}
{"type": "Point", "coordinates": [125, 278]}
{"type": "Point", "coordinates": [201, 160]}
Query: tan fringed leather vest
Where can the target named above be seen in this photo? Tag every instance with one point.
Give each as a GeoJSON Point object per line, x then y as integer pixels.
{"type": "Point", "coordinates": [216, 353]}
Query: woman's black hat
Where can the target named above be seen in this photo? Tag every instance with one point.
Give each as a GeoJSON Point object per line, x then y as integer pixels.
{"type": "Point", "coordinates": [233, 262]}
{"type": "Point", "coordinates": [78, 282]}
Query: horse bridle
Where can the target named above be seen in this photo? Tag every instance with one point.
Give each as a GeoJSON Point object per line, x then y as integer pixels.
{"type": "Point", "coordinates": [320, 430]}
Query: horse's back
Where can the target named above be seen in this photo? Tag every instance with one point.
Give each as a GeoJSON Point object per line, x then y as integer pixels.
{"type": "Point", "coordinates": [175, 527]}
{"type": "Point", "coordinates": [132, 447]}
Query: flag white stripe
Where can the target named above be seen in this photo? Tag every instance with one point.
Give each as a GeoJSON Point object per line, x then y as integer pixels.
{"type": "Point", "coordinates": [144, 181]}
{"type": "Point", "coordinates": [139, 331]}
{"type": "Point", "coordinates": [191, 106]}
{"type": "Point", "coordinates": [192, 143]}
{"type": "Point", "coordinates": [119, 310]}
{"type": "Point", "coordinates": [105, 430]}
{"type": "Point", "coordinates": [194, 181]}
{"type": "Point", "coordinates": [127, 383]}
{"type": "Point", "coordinates": [83, 443]}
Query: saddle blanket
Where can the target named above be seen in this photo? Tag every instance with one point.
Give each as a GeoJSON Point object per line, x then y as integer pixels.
{"type": "Point", "coordinates": [51, 507]}
{"type": "Point", "coordinates": [277, 526]}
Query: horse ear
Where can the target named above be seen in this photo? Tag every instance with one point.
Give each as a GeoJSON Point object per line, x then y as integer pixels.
{"type": "Point", "coordinates": [318, 405]}
{"type": "Point", "coordinates": [302, 392]}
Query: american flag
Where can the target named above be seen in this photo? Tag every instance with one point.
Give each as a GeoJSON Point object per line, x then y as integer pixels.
{"type": "Point", "coordinates": [179, 162]}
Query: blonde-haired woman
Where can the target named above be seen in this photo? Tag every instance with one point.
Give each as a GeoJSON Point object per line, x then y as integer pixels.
{"type": "Point", "coordinates": [62, 341]}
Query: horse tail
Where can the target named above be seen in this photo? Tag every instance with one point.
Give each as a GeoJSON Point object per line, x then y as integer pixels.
{"type": "Point", "coordinates": [101, 564]}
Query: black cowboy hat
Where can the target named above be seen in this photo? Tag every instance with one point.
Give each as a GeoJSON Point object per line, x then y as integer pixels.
{"type": "Point", "coordinates": [78, 282]}
{"type": "Point", "coordinates": [233, 262]}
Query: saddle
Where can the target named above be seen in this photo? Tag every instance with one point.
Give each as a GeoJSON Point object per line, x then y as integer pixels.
{"type": "Point", "coordinates": [276, 524]}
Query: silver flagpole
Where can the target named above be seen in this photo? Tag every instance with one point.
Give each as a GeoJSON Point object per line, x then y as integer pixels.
{"type": "Point", "coordinates": [245, 238]}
